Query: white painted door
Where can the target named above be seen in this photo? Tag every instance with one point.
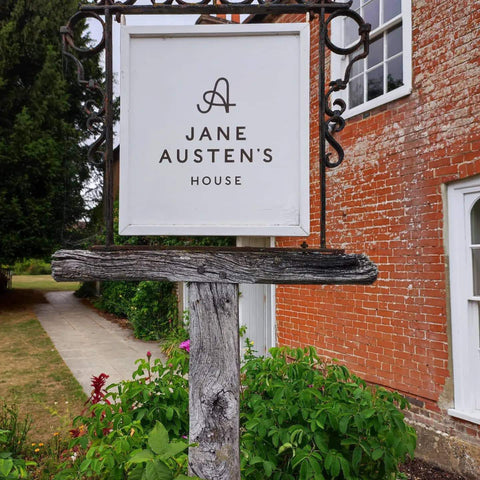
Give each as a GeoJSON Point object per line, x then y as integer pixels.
{"type": "Point", "coordinates": [464, 266]}
{"type": "Point", "coordinates": [257, 306]}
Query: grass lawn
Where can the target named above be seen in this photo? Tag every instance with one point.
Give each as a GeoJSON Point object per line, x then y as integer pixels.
{"type": "Point", "coordinates": [34, 376]}
{"type": "Point", "coordinates": [41, 282]}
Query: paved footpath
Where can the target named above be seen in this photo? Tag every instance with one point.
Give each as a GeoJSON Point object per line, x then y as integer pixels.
{"type": "Point", "coordinates": [88, 343]}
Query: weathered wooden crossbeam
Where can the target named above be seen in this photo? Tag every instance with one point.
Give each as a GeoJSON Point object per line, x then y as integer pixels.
{"type": "Point", "coordinates": [221, 265]}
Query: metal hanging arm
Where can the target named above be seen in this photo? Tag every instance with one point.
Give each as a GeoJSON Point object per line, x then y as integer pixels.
{"type": "Point", "coordinates": [180, 7]}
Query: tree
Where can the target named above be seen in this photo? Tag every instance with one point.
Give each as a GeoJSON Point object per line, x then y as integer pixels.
{"type": "Point", "coordinates": [43, 163]}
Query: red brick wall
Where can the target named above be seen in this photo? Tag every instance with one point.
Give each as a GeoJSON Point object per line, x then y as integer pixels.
{"type": "Point", "coordinates": [386, 200]}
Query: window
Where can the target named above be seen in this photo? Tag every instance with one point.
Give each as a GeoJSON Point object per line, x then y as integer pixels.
{"type": "Point", "coordinates": [385, 74]}
{"type": "Point", "coordinates": [464, 254]}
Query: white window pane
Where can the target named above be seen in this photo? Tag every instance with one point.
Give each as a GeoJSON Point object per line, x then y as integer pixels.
{"type": "Point", "coordinates": [375, 54]}
{"type": "Point", "coordinates": [476, 272]}
{"type": "Point", "coordinates": [355, 5]}
{"type": "Point", "coordinates": [350, 31]}
{"type": "Point", "coordinates": [475, 223]}
{"type": "Point", "coordinates": [394, 73]}
{"type": "Point", "coordinates": [358, 67]}
{"type": "Point", "coordinates": [391, 8]}
{"type": "Point", "coordinates": [375, 83]}
{"type": "Point", "coordinates": [356, 92]}
{"type": "Point", "coordinates": [478, 319]}
{"type": "Point", "coordinates": [394, 41]}
{"type": "Point", "coordinates": [371, 13]}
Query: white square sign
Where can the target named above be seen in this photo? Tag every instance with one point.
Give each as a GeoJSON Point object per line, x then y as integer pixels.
{"type": "Point", "coordinates": [215, 130]}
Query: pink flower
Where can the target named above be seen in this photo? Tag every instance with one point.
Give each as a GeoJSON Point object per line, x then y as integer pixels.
{"type": "Point", "coordinates": [149, 354]}
{"type": "Point", "coordinates": [185, 345]}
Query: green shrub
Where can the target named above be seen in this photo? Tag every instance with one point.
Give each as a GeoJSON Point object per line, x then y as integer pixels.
{"type": "Point", "coordinates": [112, 440]}
{"type": "Point", "coordinates": [87, 290]}
{"type": "Point", "coordinates": [32, 266]}
{"type": "Point", "coordinates": [151, 307]}
{"type": "Point", "coordinates": [300, 418]}
{"type": "Point", "coordinates": [116, 297]}
{"type": "Point", "coordinates": [153, 310]}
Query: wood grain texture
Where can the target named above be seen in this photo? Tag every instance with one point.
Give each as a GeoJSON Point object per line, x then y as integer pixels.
{"type": "Point", "coordinates": [214, 381]}
{"type": "Point", "coordinates": [248, 265]}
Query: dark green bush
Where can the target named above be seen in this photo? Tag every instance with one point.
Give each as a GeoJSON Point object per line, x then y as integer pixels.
{"type": "Point", "coordinates": [151, 307]}
{"type": "Point", "coordinates": [32, 266]}
{"type": "Point", "coordinates": [116, 297]}
{"type": "Point", "coordinates": [86, 290]}
{"type": "Point", "coordinates": [153, 310]}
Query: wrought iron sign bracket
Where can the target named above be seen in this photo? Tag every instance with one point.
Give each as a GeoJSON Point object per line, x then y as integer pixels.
{"type": "Point", "coordinates": [100, 116]}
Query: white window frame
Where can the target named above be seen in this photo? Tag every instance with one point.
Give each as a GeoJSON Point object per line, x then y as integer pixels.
{"type": "Point", "coordinates": [464, 307]}
{"type": "Point", "coordinates": [339, 62]}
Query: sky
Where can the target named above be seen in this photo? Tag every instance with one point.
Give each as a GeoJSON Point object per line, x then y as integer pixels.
{"type": "Point", "coordinates": [95, 32]}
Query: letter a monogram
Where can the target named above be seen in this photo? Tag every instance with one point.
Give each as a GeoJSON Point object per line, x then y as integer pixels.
{"type": "Point", "coordinates": [214, 98]}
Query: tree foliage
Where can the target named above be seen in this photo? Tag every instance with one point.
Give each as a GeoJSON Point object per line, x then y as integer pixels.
{"type": "Point", "coordinates": [43, 165]}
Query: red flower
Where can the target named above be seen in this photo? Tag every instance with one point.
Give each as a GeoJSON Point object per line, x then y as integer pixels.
{"type": "Point", "coordinates": [98, 394]}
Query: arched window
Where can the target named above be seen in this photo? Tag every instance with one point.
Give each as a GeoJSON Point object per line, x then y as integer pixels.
{"type": "Point", "coordinates": [475, 246]}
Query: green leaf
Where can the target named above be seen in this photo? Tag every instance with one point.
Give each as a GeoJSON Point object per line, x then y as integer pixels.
{"type": "Point", "coordinates": [335, 467]}
{"type": "Point", "coordinates": [85, 465]}
{"type": "Point", "coordinates": [300, 455]}
{"type": "Point", "coordinates": [173, 449]}
{"type": "Point", "coordinates": [343, 424]}
{"type": "Point", "coordinates": [368, 413]}
{"type": "Point", "coordinates": [136, 473]}
{"type": "Point", "coordinates": [377, 454]}
{"type": "Point", "coordinates": [158, 438]}
{"type": "Point", "coordinates": [285, 446]}
{"type": "Point", "coordinates": [268, 468]}
{"type": "Point", "coordinates": [157, 471]}
{"type": "Point", "coordinates": [329, 460]}
{"type": "Point", "coordinates": [345, 466]}
{"type": "Point", "coordinates": [6, 466]}
{"type": "Point", "coordinates": [356, 458]}
{"type": "Point", "coordinates": [316, 467]}
{"type": "Point", "coordinates": [321, 441]}
{"type": "Point", "coordinates": [141, 456]}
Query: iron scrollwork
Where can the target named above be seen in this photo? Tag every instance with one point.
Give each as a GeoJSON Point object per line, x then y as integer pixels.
{"type": "Point", "coordinates": [94, 109]}
{"type": "Point", "coordinates": [335, 122]}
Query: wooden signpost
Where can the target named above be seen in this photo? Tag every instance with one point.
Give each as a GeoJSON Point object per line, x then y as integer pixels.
{"type": "Point", "coordinates": [213, 274]}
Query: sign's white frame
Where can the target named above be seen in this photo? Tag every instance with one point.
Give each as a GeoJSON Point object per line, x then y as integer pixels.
{"type": "Point", "coordinates": [128, 223]}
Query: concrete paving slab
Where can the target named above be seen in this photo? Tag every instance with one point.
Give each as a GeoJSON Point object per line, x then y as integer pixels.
{"type": "Point", "coordinates": [88, 343]}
